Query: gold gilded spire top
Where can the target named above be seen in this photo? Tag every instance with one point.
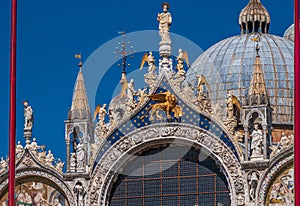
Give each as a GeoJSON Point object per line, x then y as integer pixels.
{"type": "Point", "coordinates": [80, 106]}
{"type": "Point", "coordinates": [254, 18]}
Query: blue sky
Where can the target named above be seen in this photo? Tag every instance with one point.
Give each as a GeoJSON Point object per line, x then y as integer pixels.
{"type": "Point", "coordinates": [51, 32]}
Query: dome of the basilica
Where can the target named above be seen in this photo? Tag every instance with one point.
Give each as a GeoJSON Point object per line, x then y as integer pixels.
{"type": "Point", "coordinates": [229, 64]}
{"type": "Point", "coordinates": [228, 67]}
{"type": "Point", "coordinates": [289, 33]}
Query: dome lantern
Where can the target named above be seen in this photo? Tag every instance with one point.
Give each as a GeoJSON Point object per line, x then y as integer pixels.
{"type": "Point", "coordinates": [254, 18]}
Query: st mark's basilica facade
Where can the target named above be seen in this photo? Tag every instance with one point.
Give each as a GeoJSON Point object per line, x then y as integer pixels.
{"type": "Point", "coordinates": [216, 132]}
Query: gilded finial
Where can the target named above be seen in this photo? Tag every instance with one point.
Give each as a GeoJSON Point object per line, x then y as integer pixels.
{"type": "Point", "coordinates": [78, 56]}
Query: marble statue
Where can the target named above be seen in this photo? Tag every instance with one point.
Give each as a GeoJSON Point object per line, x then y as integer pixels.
{"type": "Point", "coordinates": [73, 162]}
{"type": "Point", "coordinates": [59, 166]}
{"type": "Point", "coordinates": [19, 150]}
{"type": "Point", "coordinates": [180, 66]}
{"type": "Point", "coordinates": [149, 58]}
{"type": "Point", "coordinates": [112, 120]}
{"type": "Point", "coordinates": [102, 114]}
{"type": "Point", "coordinates": [230, 109]}
{"type": "Point", "coordinates": [80, 193]}
{"type": "Point", "coordinates": [253, 185]}
{"type": "Point", "coordinates": [80, 155]}
{"type": "Point", "coordinates": [28, 114]}
{"type": "Point", "coordinates": [165, 21]}
{"type": "Point", "coordinates": [49, 158]}
{"type": "Point", "coordinates": [33, 147]}
{"type": "Point", "coordinates": [256, 142]}
{"type": "Point", "coordinates": [182, 56]}
{"type": "Point", "coordinates": [42, 157]}
{"type": "Point", "coordinates": [200, 86]}
{"type": "Point", "coordinates": [130, 94]}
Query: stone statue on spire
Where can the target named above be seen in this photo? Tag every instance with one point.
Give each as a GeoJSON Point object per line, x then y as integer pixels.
{"type": "Point", "coordinates": [165, 21]}
{"type": "Point", "coordinates": [28, 115]}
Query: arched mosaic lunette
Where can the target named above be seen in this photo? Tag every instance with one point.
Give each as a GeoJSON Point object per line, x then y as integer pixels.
{"type": "Point", "coordinates": [29, 166]}
{"type": "Point", "coordinates": [286, 158]}
{"type": "Point", "coordinates": [47, 177]}
{"type": "Point", "coordinates": [104, 173]}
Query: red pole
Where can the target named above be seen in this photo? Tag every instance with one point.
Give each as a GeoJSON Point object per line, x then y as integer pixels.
{"type": "Point", "coordinates": [12, 109]}
{"type": "Point", "coordinates": [297, 103]}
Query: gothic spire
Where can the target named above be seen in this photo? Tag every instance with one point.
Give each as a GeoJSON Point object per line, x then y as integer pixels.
{"type": "Point", "coordinates": [254, 18]}
{"type": "Point", "coordinates": [80, 106]}
{"type": "Point", "coordinates": [257, 90]}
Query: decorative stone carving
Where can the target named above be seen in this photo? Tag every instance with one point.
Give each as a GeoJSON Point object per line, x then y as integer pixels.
{"type": "Point", "coordinates": [4, 165]}
{"type": "Point", "coordinates": [187, 92]}
{"type": "Point", "coordinates": [27, 161]}
{"type": "Point", "coordinates": [285, 142]}
{"type": "Point", "coordinates": [125, 145]}
{"type": "Point", "coordinates": [59, 166]}
{"type": "Point", "coordinates": [240, 199]}
{"type": "Point", "coordinates": [101, 131]}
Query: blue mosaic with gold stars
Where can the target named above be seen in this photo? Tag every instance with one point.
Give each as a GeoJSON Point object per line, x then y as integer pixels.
{"type": "Point", "coordinates": [189, 117]}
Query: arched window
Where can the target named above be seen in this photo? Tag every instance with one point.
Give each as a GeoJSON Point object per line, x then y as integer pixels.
{"type": "Point", "coordinates": [174, 175]}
